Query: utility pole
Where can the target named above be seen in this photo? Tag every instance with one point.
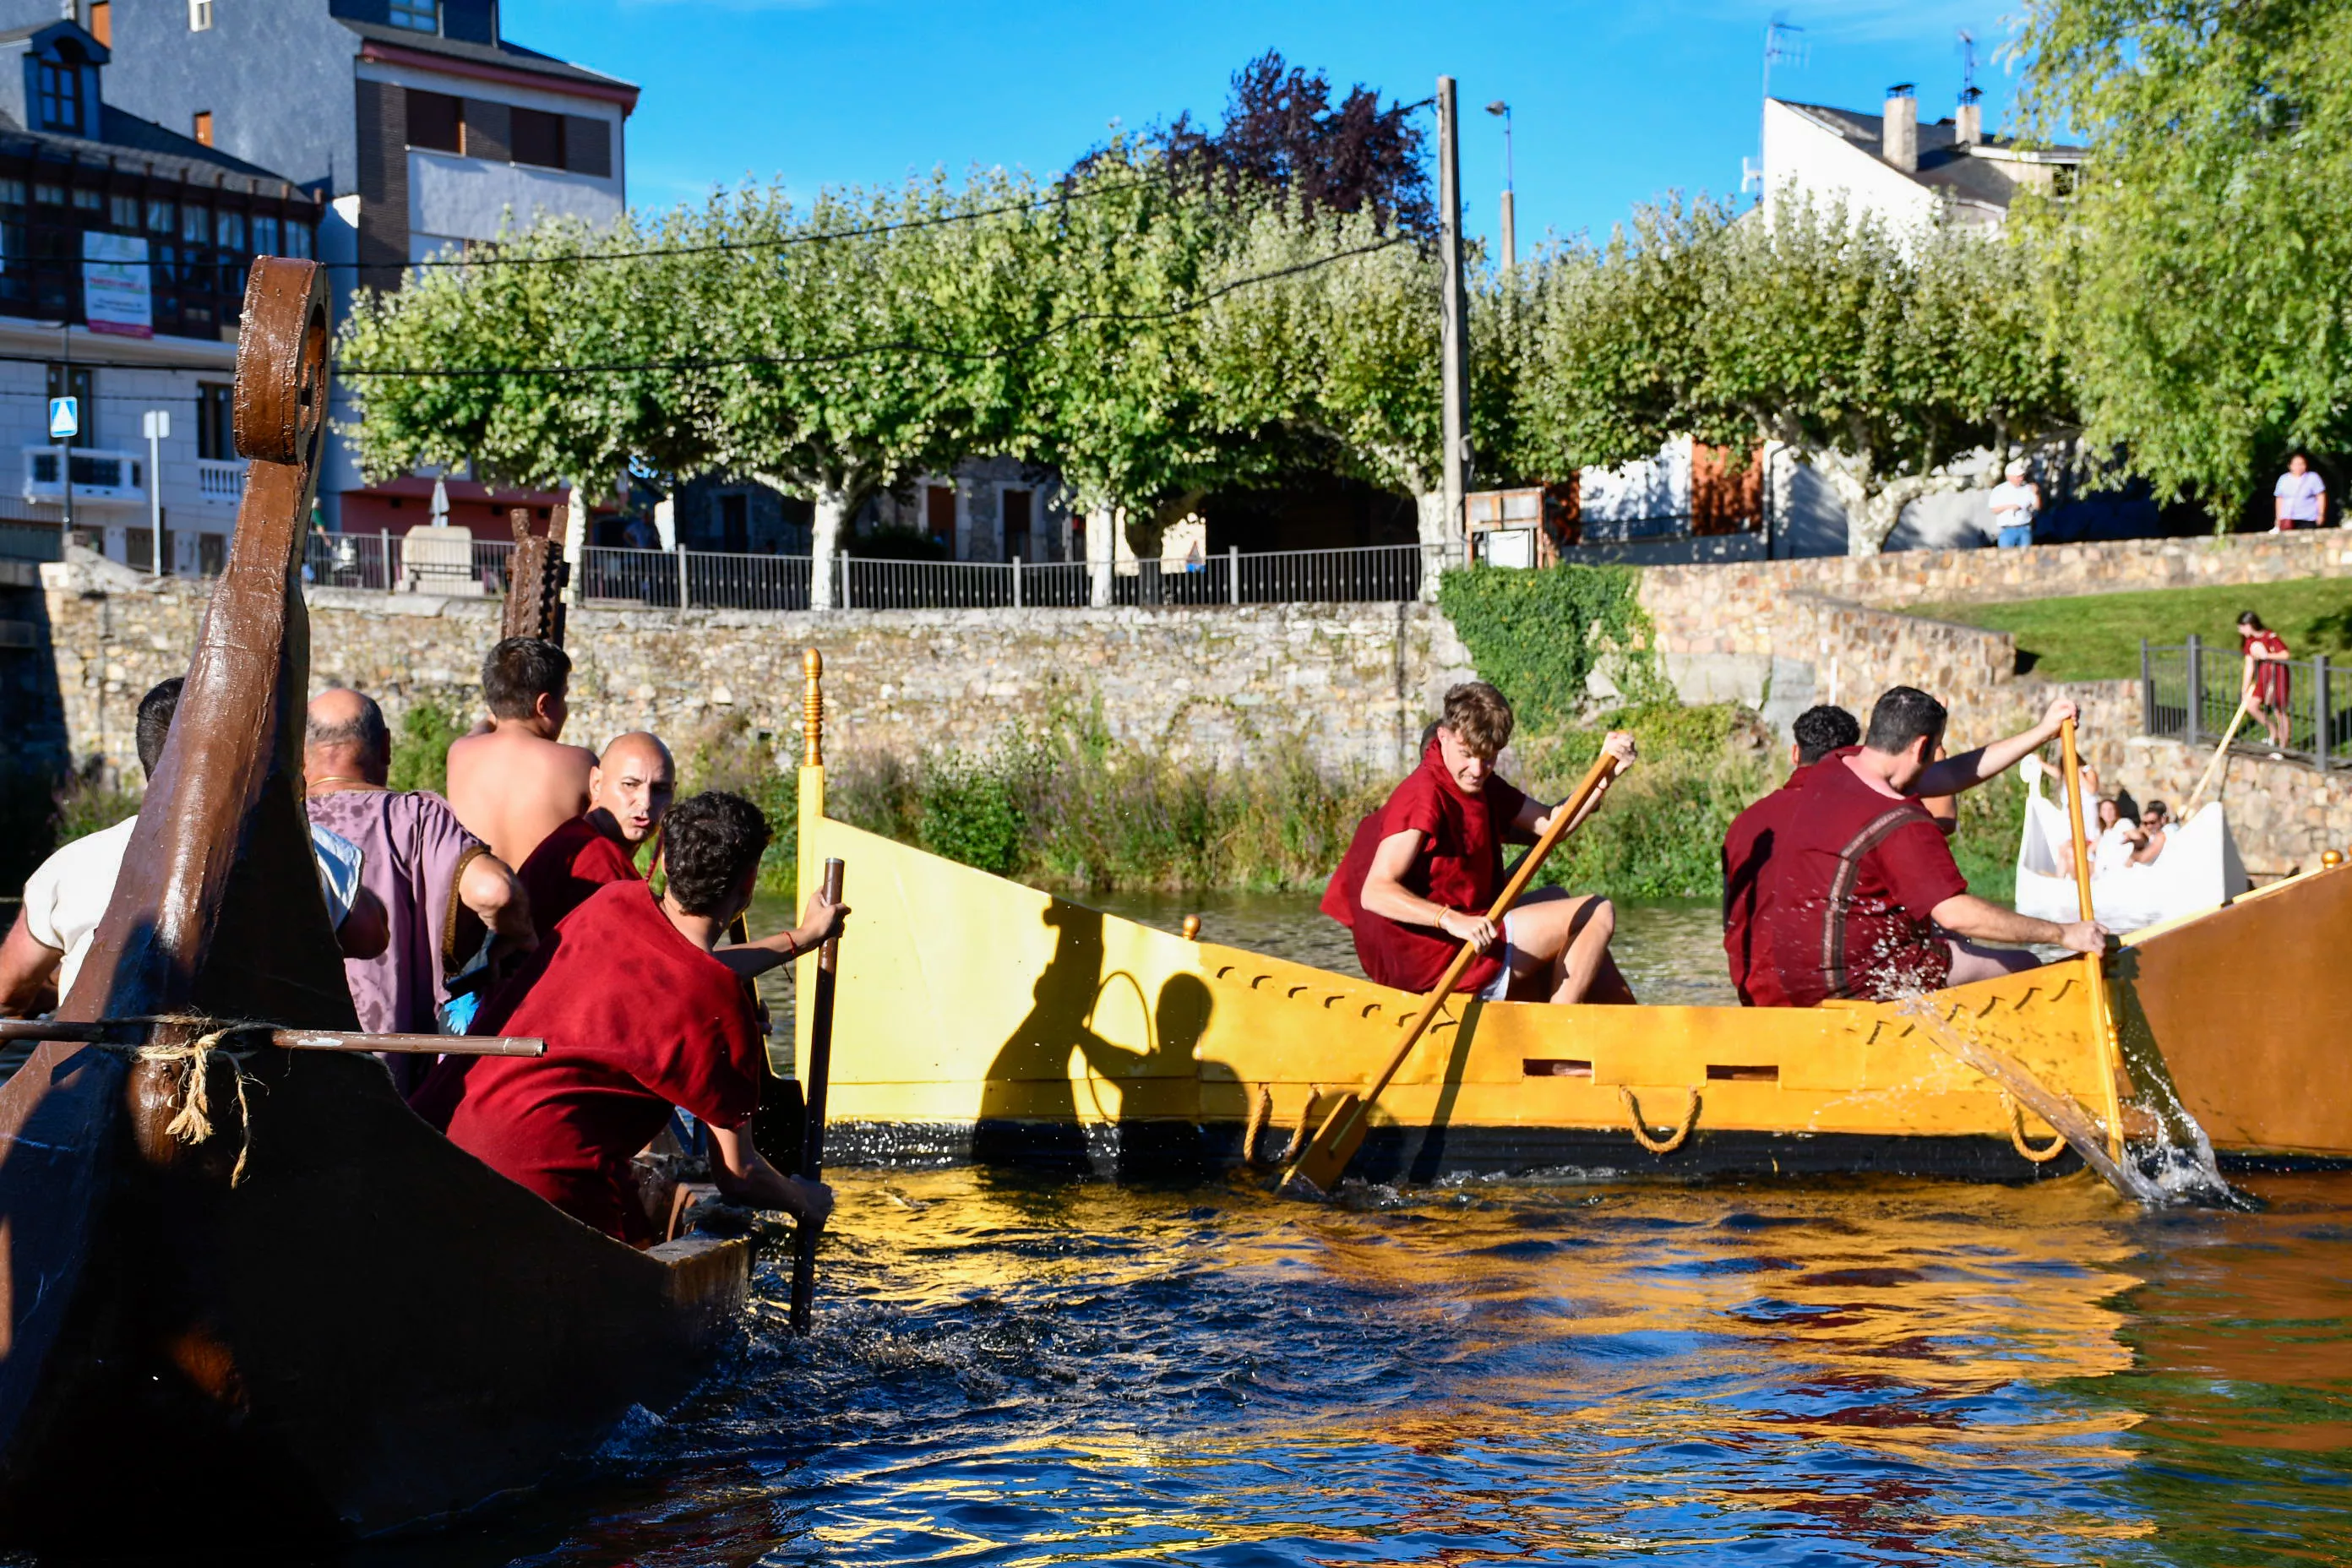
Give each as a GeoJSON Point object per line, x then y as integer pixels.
{"type": "Point", "coordinates": [1510, 217]}
{"type": "Point", "coordinates": [1454, 343]}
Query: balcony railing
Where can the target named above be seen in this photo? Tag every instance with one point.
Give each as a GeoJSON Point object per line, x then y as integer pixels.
{"type": "Point", "coordinates": [218, 483]}
{"type": "Point", "coordinates": [97, 474]}
{"type": "Point", "coordinates": [2191, 693]}
{"type": "Point", "coordinates": [706, 580]}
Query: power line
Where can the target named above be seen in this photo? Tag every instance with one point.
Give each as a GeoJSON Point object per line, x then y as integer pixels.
{"type": "Point", "coordinates": [864, 351]}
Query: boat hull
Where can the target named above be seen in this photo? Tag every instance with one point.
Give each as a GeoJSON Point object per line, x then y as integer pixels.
{"type": "Point", "coordinates": [978, 1020]}
{"type": "Point", "coordinates": [370, 1330]}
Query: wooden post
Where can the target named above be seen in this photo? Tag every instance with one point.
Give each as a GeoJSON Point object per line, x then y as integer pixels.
{"type": "Point", "coordinates": [816, 1073]}
{"type": "Point", "coordinates": [2195, 660]}
{"type": "Point", "coordinates": [2103, 1016]}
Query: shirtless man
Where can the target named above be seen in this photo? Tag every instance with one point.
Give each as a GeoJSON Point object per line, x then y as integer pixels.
{"type": "Point", "coordinates": [512, 785]}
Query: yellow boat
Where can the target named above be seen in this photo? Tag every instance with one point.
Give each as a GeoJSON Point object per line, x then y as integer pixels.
{"type": "Point", "coordinates": [980, 1020]}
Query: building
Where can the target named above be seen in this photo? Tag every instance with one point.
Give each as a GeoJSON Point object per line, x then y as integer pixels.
{"type": "Point", "coordinates": [1907, 174]}
{"type": "Point", "coordinates": [123, 251]}
{"type": "Point", "coordinates": [417, 122]}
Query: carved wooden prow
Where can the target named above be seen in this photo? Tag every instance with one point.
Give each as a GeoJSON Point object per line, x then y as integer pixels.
{"type": "Point", "coordinates": [217, 909]}
{"type": "Point", "coordinates": [536, 580]}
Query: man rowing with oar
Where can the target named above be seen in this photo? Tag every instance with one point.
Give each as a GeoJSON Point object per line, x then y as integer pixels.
{"type": "Point", "coordinates": [638, 1017]}
{"type": "Point", "coordinates": [1860, 895]}
{"type": "Point", "coordinates": [1423, 871]}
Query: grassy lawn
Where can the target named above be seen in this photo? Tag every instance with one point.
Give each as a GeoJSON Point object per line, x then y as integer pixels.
{"type": "Point", "coordinates": [2096, 636]}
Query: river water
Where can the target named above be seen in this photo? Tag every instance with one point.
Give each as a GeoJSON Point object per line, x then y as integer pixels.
{"type": "Point", "coordinates": [1009, 1371]}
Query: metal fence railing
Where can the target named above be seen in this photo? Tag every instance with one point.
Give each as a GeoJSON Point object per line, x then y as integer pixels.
{"type": "Point", "coordinates": [2191, 693]}
{"type": "Point", "coordinates": [704, 580]}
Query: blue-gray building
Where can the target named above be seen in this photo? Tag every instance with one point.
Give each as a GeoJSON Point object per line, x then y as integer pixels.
{"type": "Point", "coordinates": [416, 124]}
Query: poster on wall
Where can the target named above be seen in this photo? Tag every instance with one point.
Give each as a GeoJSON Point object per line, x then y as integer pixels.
{"type": "Point", "coordinates": [115, 289]}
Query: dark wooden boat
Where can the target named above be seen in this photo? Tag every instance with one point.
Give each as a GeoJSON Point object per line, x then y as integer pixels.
{"type": "Point", "coordinates": [364, 1328]}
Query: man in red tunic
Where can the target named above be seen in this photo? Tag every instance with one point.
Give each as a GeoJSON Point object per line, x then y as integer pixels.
{"type": "Point", "coordinates": [1860, 895]}
{"type": "Point", "coordinates": [1749, 842]}
{"type": "Point", "coordinates": [629, 793]}
{"type": "Point", "coordinates": [638, 1017]}
{"type": "Point", "coordinates": [1423, 870]}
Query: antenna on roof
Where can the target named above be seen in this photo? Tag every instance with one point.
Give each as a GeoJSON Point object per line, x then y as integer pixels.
{"type": "Point", "coordinates": [1781, 42]}
{"type": "Point", "coordinates": [1969, 91]}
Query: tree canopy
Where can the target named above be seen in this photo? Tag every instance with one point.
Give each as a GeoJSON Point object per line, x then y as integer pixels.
{"type": "Point", "coordinates": [2211, 235]}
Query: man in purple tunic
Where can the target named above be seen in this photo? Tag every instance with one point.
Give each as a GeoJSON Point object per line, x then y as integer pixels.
{"type": "Point", "coordinates": [441, 888]}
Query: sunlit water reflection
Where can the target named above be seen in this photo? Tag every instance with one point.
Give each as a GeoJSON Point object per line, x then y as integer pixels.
{"type": "Point", "coordinates": [1011, 1371]}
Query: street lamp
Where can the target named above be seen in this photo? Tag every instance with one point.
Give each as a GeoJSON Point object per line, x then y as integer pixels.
{"type": "Point", "coordinates": [1510, 235]}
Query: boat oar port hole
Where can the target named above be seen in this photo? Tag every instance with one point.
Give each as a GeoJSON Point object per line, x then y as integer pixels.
{"type": "Point", "coordinates": [1717, 1072]}
{"type": "Point", "coordinates": [1536, 1067]}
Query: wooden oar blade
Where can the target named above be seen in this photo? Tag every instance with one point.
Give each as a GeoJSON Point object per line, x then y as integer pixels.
{"type": "Point", "coordinates": [1327, 1158]}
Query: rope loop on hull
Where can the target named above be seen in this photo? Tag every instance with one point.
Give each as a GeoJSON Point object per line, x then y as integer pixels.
{"type": "Point", "coordinates": [2043, 1156]}
{"type": "Point", "coordinates": [1666, 1145]}
{"type": "Point", "coordinates": [192, 1122]}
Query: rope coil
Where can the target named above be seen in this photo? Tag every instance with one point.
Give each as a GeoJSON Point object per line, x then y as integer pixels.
{"type": "Point", "coordinates": [1642, 1134]}
{"type": "Point", "coordinates": [192, 1123]}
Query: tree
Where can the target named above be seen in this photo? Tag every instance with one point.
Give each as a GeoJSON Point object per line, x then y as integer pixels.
{"type": "Point", "coordinates": [1282, 135]}
{"type": "Point", "coordinates": [2212, 231]}
{"type": "Point", "coordinates": [1878, 357]}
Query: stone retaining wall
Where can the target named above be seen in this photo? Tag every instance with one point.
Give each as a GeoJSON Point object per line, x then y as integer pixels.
{"type": "Point", "coordinates": [1352, 684]}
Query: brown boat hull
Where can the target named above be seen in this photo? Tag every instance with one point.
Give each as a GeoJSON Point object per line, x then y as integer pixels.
{"type": "Point", "coordinates": [2246, 1009]}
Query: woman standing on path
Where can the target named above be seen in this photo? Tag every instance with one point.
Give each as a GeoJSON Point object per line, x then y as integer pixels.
{"type": "Point", "coordinates": [2267, 681]}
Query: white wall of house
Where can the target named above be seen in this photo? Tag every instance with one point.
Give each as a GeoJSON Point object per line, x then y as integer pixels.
{"type": "Point", "coordinates": [1652, 486]}
{"type": "Point", "coordinates": [453, 197]}
{"type": "Point", "coordinates": [1801, 153]}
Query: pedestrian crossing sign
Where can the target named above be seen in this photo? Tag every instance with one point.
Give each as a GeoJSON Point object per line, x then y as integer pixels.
{"type": "Point", "coordinates": [65, 418]}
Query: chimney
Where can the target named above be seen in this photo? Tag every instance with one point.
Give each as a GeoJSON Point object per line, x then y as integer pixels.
{"type": "Point", "coordinates": [1900, 143]}
{"type": "Point", "coordinates": [1968, 126]}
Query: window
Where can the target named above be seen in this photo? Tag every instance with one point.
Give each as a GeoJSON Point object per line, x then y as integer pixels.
{"type": "Point", "coordinates": [204, 127]}
{"type": "Point", "coordinates": [229, 231]}
{"type": "Point", "coordinates": [297, 240]}
{"type": "Point", "coordinates": [49, 196]}
{"type": "Point", "coordinates": [200, 16]}
{"type": "Point", "coordinates": [435, 121]}
{"type": "Point", "coordinates": [265, 235]}
{"type": "Point", "coordinates": [125, 213]}
{"type": "Point", "coordinates": [77, 381]}
{"type": "Point", "coordinates": [214, 438]}
{"type": "Point", "coordinates": [538, 138]}
{"type": "Point", "coordinates": [89, 201]}
{"type": "Point", "coordinates": [60, 86]}
{"type": "Point", "coordinates": [12, 193]}
{"type": "Point", "coordinates": [196, 225]}
{"type": "Point", "coordinates": [418, 16]}
{"type": "Point", "coordinates": [160, 216]}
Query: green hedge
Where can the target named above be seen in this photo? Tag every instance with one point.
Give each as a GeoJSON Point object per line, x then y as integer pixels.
{"type": "Point", "coordinates": [1539, 636]}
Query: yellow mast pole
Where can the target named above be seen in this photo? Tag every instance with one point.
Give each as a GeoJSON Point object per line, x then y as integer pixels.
{"type": "Point", "coordinates": [2103, 1011]}
{"type": "Point", "coordinates": [809, 868]}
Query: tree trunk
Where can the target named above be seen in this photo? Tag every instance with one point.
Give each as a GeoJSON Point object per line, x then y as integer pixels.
{"type": "Point", "coordinates": [1102, 552]}
{"type": "Point", "coordinates": [575, 542]}
{"type": "Point", "coordinates": [825, 545]}
{"type": "Point", "coordinates": [1874, 507]}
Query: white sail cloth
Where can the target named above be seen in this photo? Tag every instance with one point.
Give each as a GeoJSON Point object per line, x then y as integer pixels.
{"type": "Point", "coordinates": [2199, 869]}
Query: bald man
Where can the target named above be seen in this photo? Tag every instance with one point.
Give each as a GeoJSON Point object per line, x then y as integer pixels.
{"type": "Point", "coordinates": [629, 792]}
{"type": "Point", "coordinates": [440, 887]}
{"type": "Point", "coordinates": [514, 784]}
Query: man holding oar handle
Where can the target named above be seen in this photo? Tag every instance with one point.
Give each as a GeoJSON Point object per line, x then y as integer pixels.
{"type": "Point", "coordinates": [1420, 878]}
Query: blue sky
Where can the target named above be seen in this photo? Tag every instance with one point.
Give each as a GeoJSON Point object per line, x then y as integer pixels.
{"type": "Point", "coordinates": [1612, 104]}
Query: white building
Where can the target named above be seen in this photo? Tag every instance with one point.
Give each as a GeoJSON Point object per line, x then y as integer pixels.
{"type": "Point", "coordinates": [1892, 166]}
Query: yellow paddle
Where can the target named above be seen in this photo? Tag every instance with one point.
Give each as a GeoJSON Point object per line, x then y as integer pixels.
{"type": "Point", "coordinates": [1322, 1162]}
{"type": "Point", "coordinates": [2102, 1015]}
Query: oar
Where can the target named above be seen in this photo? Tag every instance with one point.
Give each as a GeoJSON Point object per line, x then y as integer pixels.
{"type": "Point", "coordinates": [815, 1074]}
{"type": "Point", "coordinates": [134, 1032]}
{"type": "Point", "coordinates": [2102, 1015]}
{"type": "Point", "coordinates": [1322, 1162]}
{"type": "Point", "coordinates": [2220, 756]}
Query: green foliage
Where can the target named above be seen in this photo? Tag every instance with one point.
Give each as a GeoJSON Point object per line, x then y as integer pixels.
{"type": "Point", "coordinates": [1659, 835]}
{"type": "Point", "coordinates": [972, 811]}
{"type": "Point", "coordinates": [85, 802]}
{"type": "Point", "coordinates": [2096, 636]}
{"type": "Point", "coordinates": [896, 544]}
{"type": "Point", "coordinates": [420, 751]}
{"type": "Point", "coordinates": [1993, 821]}
{"type": "Point", "coordinates": [1878, 355]}
{"type": "Point", "coordinates": [1538, 636]}
{"type": "Point", "coordinates": [728, 755]}
{"type": "Point", "coordinates": [2212, 232]}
